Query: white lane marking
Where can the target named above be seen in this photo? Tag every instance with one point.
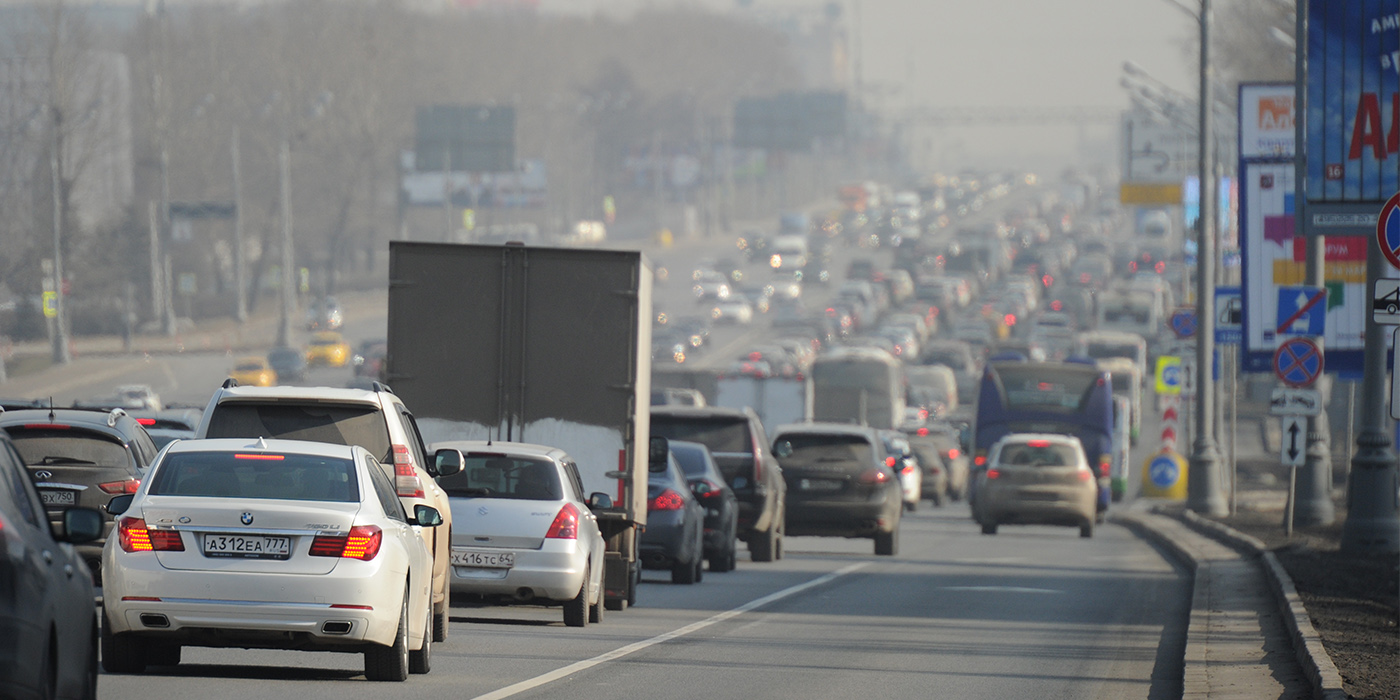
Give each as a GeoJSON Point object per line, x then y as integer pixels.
{"type": "Point", "coordinates": [1001, 589]}
{"type": "Point", "coordinates": [537, 681]}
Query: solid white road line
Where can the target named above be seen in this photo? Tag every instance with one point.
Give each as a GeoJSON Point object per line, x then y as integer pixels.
{"type": "Point", "coordinates": [537, 681]}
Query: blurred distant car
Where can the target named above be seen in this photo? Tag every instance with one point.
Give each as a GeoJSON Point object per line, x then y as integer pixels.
{"type": "Point", "coordinates": [369, 359]}
{"type": "Point", "coordinates": [716, 497]}
{"type": "Point", "coordinates": [753, 244]}
{"type": "Point", "coordinates": [49, 618]}
{"type": "Point", "coordinates": [838, 483]}
{"type": "Point", "coordinates": [710, 284]}
{"type": "Point", "coordinates": [169, 425]}
{"type": "Point", "coordinates": [324, 315]}
{"type": "Point", "coordinates": [1037, 479]}
{"type": "Point", "coordinates": [288, 363]}
{"type": "Point", "coordinates": [253, 371]}
{"type": "Point", "coordinates": [675, 534]}
{"type": "Point", "coordinates": [900, 458]}
{"type": "Point", "coordinates": [733, 310]}
{"type": "Point", "coordinates": [142, 394]}
{"type": "Point", "coordinates": [327, 349]}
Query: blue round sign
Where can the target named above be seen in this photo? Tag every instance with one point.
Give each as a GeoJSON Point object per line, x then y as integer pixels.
{"type": "Point", "coordinates": [1163, 471]}
{"type": "Point", "coordinates": [1298, 362]}
{"type": "Point", "coordinates": [1171, 375]}
{"type": "Point", "coordinates": [1183, 323]}
{"type": "Point", "coordinates": [1388, 230]}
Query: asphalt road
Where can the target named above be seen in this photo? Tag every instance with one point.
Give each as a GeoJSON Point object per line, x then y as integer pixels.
{"type": "Point", "coordinates": [1034, 612]}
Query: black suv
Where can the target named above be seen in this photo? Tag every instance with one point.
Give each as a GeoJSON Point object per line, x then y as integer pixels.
{"type": "Point", "coordinates": [81, 457]}
{"type": "Point", "coordinates": [740, 447]}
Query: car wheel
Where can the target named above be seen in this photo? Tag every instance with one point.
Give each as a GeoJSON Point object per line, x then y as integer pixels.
{"type": "Point", "coordinates": [89, 691]}
{"type": "Point", "coordinates": [440, 623]}
{"type": "Point", "coordinates": [163, 654]}
{"type": "Point", "coordinates": [937, 498]}
{"type": "Point", "coordinates": [989, 528]}
{"type": "Point", "coordinates": [722, 561]}
{"type": "Point", "coordinates": [576, 609]}
{"type": "Point", "coordinates": [763, 546]}
{"type": "Point", "coordinates": [910, 506]}
{"type": "Point", "coordinates": [683, 572]}
{"type": "Point", "coordinates": [596, 611]}
{"type": "Point", "coordinates": [1086, 529]}
{"type": "Point", "coordinates": [887, 543]}
{"type": "Point", "coordinates": [699, 567]}
{"type": "Point", "coordinates": [391, 663]}
{"type": "Point", "coordinates": [421, 659]}
{"type": "Point", "coordinates": [122, 653]}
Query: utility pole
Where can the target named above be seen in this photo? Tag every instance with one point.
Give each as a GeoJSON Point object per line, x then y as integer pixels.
{"type": "Point", "coordinates": [1203, 483]}
{"type": "Point", "coordinates": [284, 162]}
{"type": "Point", "coordinates": [1313, 497]}
{"type": "Point", "coordinates": [239, 264]}
{"type": "Point", "coordinates": [61, 354]}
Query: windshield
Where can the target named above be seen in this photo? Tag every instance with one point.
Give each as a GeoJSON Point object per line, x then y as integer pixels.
{"type": "Point", "coordinates": [718, 434]}
{"type": "Point", "coordinates": [811, 449]}
{"type": "Point", "coordinates": [258, 475]}
{"type": "Point", "coordinates": [1037, 453]}
{"type": "Point", "coordinates": [338, 424]}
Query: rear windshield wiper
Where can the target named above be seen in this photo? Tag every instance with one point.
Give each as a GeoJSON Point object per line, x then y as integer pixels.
{"type": "Point", "coordinates": [469, 492]}
{"type": "Point", "coordinates": [64, 460]}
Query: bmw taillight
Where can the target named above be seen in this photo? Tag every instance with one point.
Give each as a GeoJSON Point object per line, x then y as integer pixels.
{"type": "Point", "coordinates": [565, 525]}
{"type": "Point", "coordinates": [993, 474]}
{"type": "Point", "coordinates": [120, 487]}
{"type": "Point", "coordinates": [666, 500]}
{"type": "Point", "coordinates": [362, 542]}
{"type": "Point", "coordinates": [405, 477]}
{"type": "Point", "coordinates": [134, 536]}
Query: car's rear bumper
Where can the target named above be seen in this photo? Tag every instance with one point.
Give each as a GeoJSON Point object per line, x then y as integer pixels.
{"type": "Point", "coordinates": [665, 541]}
{"type": "Point", "coordinates": [841, 518]}
{"type": "Point", "coordinates": [554, 572]}
{"type": "Point", "coordinates": [1040, 505]}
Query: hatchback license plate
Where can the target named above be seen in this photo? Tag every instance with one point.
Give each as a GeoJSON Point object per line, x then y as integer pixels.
{"type": "Point", "coordinates": [483, 560]}
{"type": "Point", "coordinates": [58, 498]}
{"type": "Point", "coordinates": [819, 485]}
{"type": "Point", "coordinates": [247, 547]}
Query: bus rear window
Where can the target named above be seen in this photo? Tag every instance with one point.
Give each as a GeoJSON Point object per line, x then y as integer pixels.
{"type": "Point", "coordinates": [1035, 387]}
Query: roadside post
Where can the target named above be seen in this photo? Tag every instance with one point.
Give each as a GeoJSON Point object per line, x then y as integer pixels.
{"type": "Point", "coordinates": [1298, 362]}
{"type": "Point", "coordinates": [1229, 331]}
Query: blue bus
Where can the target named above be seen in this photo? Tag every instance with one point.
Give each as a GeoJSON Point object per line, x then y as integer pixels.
{"type": "Point", "coordinates": [1066, 398]}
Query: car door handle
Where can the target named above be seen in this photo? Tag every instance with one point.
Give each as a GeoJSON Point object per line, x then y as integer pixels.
{"type": "Point", "coordinates": [48, 557]}
{"type": "Point", "coordinates": [68, 570]}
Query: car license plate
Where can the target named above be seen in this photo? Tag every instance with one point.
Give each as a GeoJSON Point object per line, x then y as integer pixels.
{"type": "Point", "coordinates": [819, 485]}
{"type": "Point", "coordinates": [483, 560]}
{"type": "Point", "coordinates": [58, 498]}
{"type": "Point", "coordinates": [247, 546]}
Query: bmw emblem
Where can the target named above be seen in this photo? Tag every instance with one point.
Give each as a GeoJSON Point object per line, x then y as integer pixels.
{"type": "Point", "coordinates": [43, 474]}
{"type": "Point", "coordinates": [246, 518]}
{"type": "Point", "coordinates": [185, 520]}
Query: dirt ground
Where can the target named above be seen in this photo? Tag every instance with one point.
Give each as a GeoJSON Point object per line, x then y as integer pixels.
{"type": "Point", "coordinates": [1351, 599]}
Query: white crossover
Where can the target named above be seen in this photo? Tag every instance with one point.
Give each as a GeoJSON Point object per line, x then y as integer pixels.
{"type": "Point", "coordinates": [267, 544]}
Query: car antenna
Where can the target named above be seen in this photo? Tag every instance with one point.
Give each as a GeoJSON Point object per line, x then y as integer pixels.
{"type": "Point", "coordinates": [488, 437]}
{"type": "Point", "coordinates": [50, 408]}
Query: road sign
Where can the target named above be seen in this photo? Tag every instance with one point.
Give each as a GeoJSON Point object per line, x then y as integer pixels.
{"type": "Point", "coordinates": [1229, 315]}
{"type": "Point", "coordinates": [1168, 374]}
{"type": "Point", "coordinates": [1287, 401]}
{"type": "Point", "coordinates": [50, 304]}
{"type": "Point", "coordinates": [1164, 476]}
{"type": "Point", "coordinates": [1395, 381]}
{"type": "Point", "coordinates": [1155, 151]}
{"type": "Point", "coordinates": [1302, 310]}
{"type": "Point", "coordinates": [1298, 362]}
{"type": "Point", "coordinates": [1171, 422]}
{"type": "Point", "coordinates": [1385, 302]}
{"type": "Point", "coordinates": [1183, 322]}
{"type": "Point", "coordinates": [1295, 441]}
{"type": "Point", "coordinates": [1188, 375]}
{"type": "Point", "coordinates": [1388, 230]}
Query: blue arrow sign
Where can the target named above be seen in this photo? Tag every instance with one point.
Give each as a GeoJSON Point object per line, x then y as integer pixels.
{"type": "Point", "coordinates": [1302, 310]}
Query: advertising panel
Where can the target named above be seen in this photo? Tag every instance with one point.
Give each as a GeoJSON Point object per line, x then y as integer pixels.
{"type": "Point", "coordinates": [1266, 120]}
{"type": "Point", "coordinates": [1274, 257]}
{"type": "Point", "coordinates": [1353, 100]}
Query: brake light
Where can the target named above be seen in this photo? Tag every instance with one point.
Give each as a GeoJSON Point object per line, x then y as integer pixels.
{"type": "Point", "coordinates": [1085, 475]}
{"type": "Point", "coordinates": [268, 458]}
{"type": "Point", "coordinates": [565, 525]}
{"type": "Point", "coordinates": [666, 500]}
{"type": "Point", "coordinates": [1160, 267]}
{"type": "Point", "coordinates": [979, 460]}
{"type": "Point", "coordinates": [119, 487]}
{"type": "Point", "coordinates": [889, 462]}
{"type": "Point", "coordinates": [406, 480]}
{"type": "Point", "coordinates": [873, 476]}
{"type": "Point", "coordinates": [1105, 464]}
{"type": "Point", "coordinates": [362, 542]}
{"type": "Point", "coordinates": [705, 488]}
{"type": "Point", "coordinates": [993, 474]}
{"type": "Point", "coordinates": [953, 453]}
{"type": "Point", "coordinates": [1010, 319]}
{"type": "Point", "coordinates": [1047, 280]}
{"type": "Point", "coordinates": [1057, 305]}
{"type": "Point", "coordinates": [1038, 443]}
{"type": "Point", "coordinates": [46, 426]}
{"type": "Point", "coordinates": [146, 421]}
{"type": "Point", "coordinates": [908, 469]}
{"type": "Point", "coordinates": [136, 537]}
{"type": "Point", "coordinates": [140, 599]}
{"type": "Point", "coordinates": [922, 432]}
{"type": "Point", "coordinates": [1132, 266]}
{"type": "Point", "coordinates": [1085, 278]}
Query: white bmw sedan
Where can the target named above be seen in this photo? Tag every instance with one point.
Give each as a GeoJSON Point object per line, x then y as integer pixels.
{"type": "Point", "coordinates": [270, 544]}
{"type": "Point", "coordinates": [522, 529]}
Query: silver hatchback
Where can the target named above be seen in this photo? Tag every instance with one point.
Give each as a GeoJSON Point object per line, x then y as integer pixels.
{"type": "Point", "coordinates": [523, 532]}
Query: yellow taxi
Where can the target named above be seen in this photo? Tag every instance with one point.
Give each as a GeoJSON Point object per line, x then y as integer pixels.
{"type": "Point", "coordinates": [253, 371]}
{"type": "Point", "coordinates": [327, 349]}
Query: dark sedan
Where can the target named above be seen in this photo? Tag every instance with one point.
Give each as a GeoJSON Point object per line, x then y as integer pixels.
{"type": "Point", "coordinates": [721, 506]}
{"type": "Point", "coordinates": [674, 536]}
{"type": "Point", "coordinates": [839, 484]}
{"type": "Point", "coordinates": [288, 363]}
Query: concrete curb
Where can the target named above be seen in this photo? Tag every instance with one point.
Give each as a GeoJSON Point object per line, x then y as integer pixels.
{"type": "Point", "coordinates": [1194, 683]}
{"type": "Point", "coordinates": [1307, 643]}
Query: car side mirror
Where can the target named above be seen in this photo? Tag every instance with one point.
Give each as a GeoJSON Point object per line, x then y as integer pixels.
{"type": "Point", "coordinates": [600, 501]}
{"type": "Point", "coordinates": [660, 450]}
{"type": "Point", "coordinates": [120, 504]}
{"type": "Point", "coordinates": [82, 525]}
{"type": "Point", "coordinates": [448, 461]}
{"type": "Point", "coordinates": [427, 516]}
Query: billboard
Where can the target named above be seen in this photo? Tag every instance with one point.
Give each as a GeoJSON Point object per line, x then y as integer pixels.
{"type": "Point", "coordinates": [1353, 101]}
{"type": "Point", "coordinates": [464, 138]}
{"type": "Point", "coordinates": [1266, 120]}
{"type": "Point", "coordinates": [1273, 257]}
{"type": "Point", "coordinates": [790, 121]}
{"type": "Point", "coordinates": [524, 188]}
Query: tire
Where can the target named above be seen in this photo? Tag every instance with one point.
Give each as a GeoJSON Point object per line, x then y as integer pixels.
{"type": "Point", "coordinates": [910, 506]}
{"type": "Point", "coordinates": [440, 623]}
{"type": "Point", "coordinates": [764, 545]}
{"type": "Point", "coordinates": [420, 660]}
{"type": "Point", "coordinates": [989, 528]}
{"type": "Point", "coordinates": [89, 691]}
{"type": "Point", "coordinates": [121, 653]}
{"type": "Point", "coordinates": [163, 654]}
{"type": "Point", "coordinates": [634, 584]}
{"type": "Point", "coordinates": [596, 611]}
{"type": "Point", "coordinates": [391, 663]}
{"type": "Point", "coordinates": [938, 498]}
{"type": "Point", "coordinates": [699, 566]}
{"type": "Point", "coordinates": [887, 543]}
{"type": "Point", "coordinates": [1086, 529]}
{"type": "Point", "coordinates": [723, 562]}
{"type": "Point", "coordinates": [576, 609]}
{"type": "Point", "coordinates": [440, 615]}
{"type": "Point", "coordinates": [683, 572]}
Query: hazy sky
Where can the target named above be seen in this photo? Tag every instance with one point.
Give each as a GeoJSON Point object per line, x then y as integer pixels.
{"type": "Point", "coordinates": [981, 53]}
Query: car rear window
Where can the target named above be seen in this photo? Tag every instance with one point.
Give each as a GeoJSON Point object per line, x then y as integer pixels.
{"type": "Point", "coordinates": [1037, 454]}
{"type": "Point", "coordinates": [813, 448]}
{"type": "Point", "coordinates": [502, 476]}
{"type": "Point", "coordinates": [68, 446]}
{"type": "Point", "coordinates": [718, 434]}
{"type": "Point", "coordinates": [338, 424]}
{"type": "Point", "coordinates": [257, 475]}
{"type": "Point", "coordinates": [691, 459]}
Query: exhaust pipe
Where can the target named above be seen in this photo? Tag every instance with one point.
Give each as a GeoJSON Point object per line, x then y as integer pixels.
{"type": "Point", "coordinates": [336, 627]}
{"type": "Point", "coordinates": [524, 593]}
{"type": "Point", "coordinates": [155, 620]}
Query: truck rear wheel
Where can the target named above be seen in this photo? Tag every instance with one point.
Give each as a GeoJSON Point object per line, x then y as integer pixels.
{"type": "Point", "coordinates": [763, 546]}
